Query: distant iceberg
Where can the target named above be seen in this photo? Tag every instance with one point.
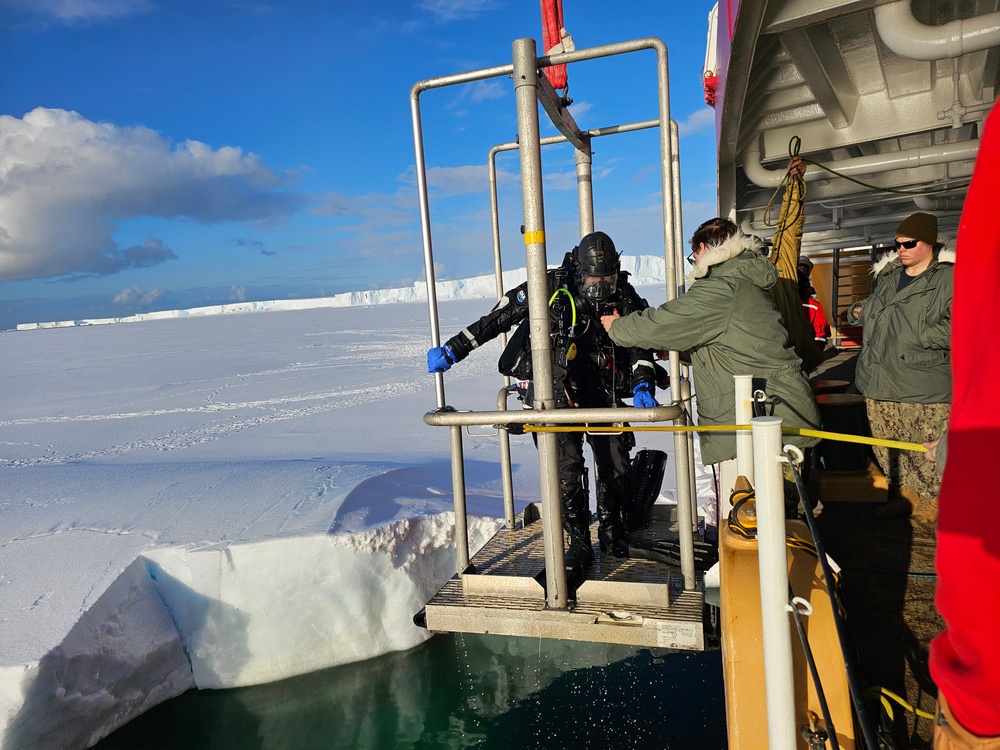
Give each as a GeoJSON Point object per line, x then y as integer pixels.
{"type": "Point", "coordinates": [644, 269]}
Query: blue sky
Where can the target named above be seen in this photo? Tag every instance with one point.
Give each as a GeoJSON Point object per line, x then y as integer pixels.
{"type": "Point", "coordinates": [157, 154]}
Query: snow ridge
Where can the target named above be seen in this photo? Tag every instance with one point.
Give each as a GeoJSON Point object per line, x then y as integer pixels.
{"type": "Point", "coordinates": [644, 270]}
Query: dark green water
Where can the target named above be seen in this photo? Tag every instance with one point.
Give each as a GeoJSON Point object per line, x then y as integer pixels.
{"type": "Point", "coordinates": [459, 692]}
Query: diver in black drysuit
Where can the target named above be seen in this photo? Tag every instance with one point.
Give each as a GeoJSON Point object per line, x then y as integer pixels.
{"type": "Point", "coordinates": [590, 371]}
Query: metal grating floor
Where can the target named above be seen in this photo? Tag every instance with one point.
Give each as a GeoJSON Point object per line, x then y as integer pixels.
{"type": "Point", "coordinates": [630, 601]}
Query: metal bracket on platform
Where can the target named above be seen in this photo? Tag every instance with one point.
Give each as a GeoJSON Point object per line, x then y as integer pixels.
{"type": "Point", "coordinates": [799, 456]}
{"type": "Point", "coordinates": [800, 605]}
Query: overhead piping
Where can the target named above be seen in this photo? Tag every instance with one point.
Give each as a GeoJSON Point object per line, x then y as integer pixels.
{"type": "Point", "coordinates": [916, 157]}
{"type": "Point", "coordinates": [909, 38]}
{"type": "Point", "coordinates": [927, 203]}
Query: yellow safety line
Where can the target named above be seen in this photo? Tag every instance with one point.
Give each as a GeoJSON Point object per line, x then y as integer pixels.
{"type": "Point", "coordinates": [533, 238]}
{"type": "Point", "coordinates": [901, 445]}
{"type": "Point", "coordinates": [836, 436]}
{"type": "Point", "coordinates": [883, 693]}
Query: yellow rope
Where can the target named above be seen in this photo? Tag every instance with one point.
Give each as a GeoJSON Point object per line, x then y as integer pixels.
{"type": "Point", "coordinates": [883, 693]}
{"type": "Point", "coordinates": [836, 436]}
{"type": "Point", "coordinates": [901, 445]}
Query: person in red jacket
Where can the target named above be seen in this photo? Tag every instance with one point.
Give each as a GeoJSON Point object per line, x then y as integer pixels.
{"type": "Point", "coordinates": [814, 310]}
{"type": "Point", "coordinates": [965, 657]}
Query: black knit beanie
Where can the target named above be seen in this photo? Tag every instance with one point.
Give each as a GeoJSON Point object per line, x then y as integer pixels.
{"type": "Point", "coordinates": [919, 226]}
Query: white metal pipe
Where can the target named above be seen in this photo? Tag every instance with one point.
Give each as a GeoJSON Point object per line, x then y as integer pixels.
{"type": "Point", "coordinates": [909, 38]}
{"type": "Point", "coordinates": [915, 157]}
{"type": "Point", "coordinates": [458, 497]}
{"type": "Point", "coordinates": [506, 472]}
{"type": "Point", "coordinates": [595, 416]}
{"type": "Point", "coordinates": [772, 560]}
{"type": "Point", "coordinates": [927, 203]}
{"type": "Point", "coordinates": [584, 189]}
{"type": "Point", "coordinates": [744, 438]}
{"type": "Point", "coordinates": [506, 469]}
{"type": "Point", "coordinates": [687, 478]}
{"type": "Point", "coordinates": [684, 450]}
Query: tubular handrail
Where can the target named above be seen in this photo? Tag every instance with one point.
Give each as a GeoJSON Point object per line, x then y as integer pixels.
{"type": "Point", "coordinates": [450, 417]}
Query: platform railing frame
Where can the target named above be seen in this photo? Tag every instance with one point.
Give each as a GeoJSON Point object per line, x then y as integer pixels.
{"type": "Point", "coordinates": [529, 89]}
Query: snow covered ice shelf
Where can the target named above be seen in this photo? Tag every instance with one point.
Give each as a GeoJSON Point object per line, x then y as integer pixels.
{"type": "Point", "coordinates": [225, 500]}
{"type": "Point", "coordinates": [221, 501]}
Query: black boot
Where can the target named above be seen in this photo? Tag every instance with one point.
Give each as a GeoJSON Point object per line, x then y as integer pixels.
{"type": "Point", "coordinates": [576, 522]}
{"type": "Point", "coordinates": [610, 527]}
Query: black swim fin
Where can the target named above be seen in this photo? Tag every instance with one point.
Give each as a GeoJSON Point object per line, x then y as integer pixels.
{"type": "Point", "coordinates": [647, 469]}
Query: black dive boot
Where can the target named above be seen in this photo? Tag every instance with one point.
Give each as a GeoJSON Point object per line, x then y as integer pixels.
{"type": "Point", "coordinates": [576, 522]}
{"type": "Point", "coordinates": [610, 528]}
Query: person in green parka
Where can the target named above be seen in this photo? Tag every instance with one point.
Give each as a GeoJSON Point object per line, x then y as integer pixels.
{"type": "Point", "coordinates": [904, 369]}
{"type": "Point", "coordinates": [727, 324]}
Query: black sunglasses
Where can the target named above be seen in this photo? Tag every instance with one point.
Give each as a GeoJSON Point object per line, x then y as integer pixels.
{"type": "Point", "coordinates": [909, 244]}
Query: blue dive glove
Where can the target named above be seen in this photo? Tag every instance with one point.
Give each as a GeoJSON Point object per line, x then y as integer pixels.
{"type": "Point", "coordinates": [439, 359]}
{"type": "Point", "coordinates": [642, 397]}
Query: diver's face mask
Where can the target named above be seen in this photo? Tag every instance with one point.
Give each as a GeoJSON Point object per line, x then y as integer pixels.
{"type": "Point", "coordinates": [598, 288]}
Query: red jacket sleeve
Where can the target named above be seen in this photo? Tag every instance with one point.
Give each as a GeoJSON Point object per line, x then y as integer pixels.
{"type": "Point", "coordinates": [965, 657]}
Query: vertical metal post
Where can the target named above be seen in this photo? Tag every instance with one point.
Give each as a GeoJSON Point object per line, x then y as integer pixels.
{"type": "Point", "coordinates": [457, 453]}
{"type": "Point", "coordinates": [685, 459]}
{"type": "Point", "coordinates": [506, 476]}
{"type": "Point", "coordinates": [458, 488]}
{"type": "Point", "coordinates": [675, 181]}
{"type": "Point", "coordinates": [686, 477]}
{"type": "Point", "coordinates": [506, 472]}
{"type": "Point", "coordinates": [420, 168]}
{"type": "Point", "coordinates": [670, 256]}
{"type": "Point", "coordinates": [585, 188]}
{"type": "Point", "coordinates": [744, 413]}
{"type": "Point", "coordinates": [773, 571]}
{"type": "Point", "coordinates": [526, 91]}
{"type": "Point", "coordinates": [692, 480]}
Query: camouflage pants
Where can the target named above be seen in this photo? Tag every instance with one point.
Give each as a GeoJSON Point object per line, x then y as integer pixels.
{"type": "Point", "coordinates": [911, 423]}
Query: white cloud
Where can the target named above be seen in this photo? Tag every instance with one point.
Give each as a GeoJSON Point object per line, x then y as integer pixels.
{"type": "Point", "coordinates": [463, 180]}
{"type": "Point", "coordinates": [67, 181]}
{"type": "Point", "coordinates": [453, 10]}
{"type": "Point", "coordinates": [136, 296]}
{"type": "Point", "coordinates": [560, 181]}
{"type": "Point", "coordinates": [482, 91]}
{"type": "Point", "coordinates": [700, 120]}
{"type": "Point", "coordinates": [580, 108]}
{"type": "Point", "coordinates": [238, 293]}
{"type": "Point", "coordinates": [84, 11]}
{"type": "Point", "coordinates": [374, 210]}
{"type": "Point", "coordinates": [477, 92]}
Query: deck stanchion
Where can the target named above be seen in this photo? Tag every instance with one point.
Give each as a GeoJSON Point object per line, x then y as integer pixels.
{"type": "Point", "coordinates": [458, 493]}
{"type": "Point", "coordinates": [506, 475]}
{"type": "Point", "coordinates": [585, 187]}
{"type": "Point", "coordinates": [744, 413]}
{"type": "Point", "coordinates": [773, 570]}
{"type": "Point", "coordinates": [506, 472]}
{"type": "Point", "coordinates": [526, 95]}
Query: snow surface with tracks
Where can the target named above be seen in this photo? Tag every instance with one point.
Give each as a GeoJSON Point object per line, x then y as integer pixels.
{"type": "Point", "coordinates": [224, 500]}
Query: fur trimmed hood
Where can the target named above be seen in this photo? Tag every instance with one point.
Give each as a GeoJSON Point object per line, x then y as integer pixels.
{"type": "Point", "coordinates": [727, 250]}
{"type": "Point", "coordinates": [944, 254]}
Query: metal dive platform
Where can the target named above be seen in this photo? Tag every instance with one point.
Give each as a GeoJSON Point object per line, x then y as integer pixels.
{"type": "Point", "coordinates": [628, 601]}
{"type": "Point", "coordinates": [519, 583]}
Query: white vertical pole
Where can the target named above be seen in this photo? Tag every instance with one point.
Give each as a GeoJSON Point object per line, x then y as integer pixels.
{"type": "Point", "coordinates": [772, 559]}
{"type": "Point", "coordinates": [744, 412]}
